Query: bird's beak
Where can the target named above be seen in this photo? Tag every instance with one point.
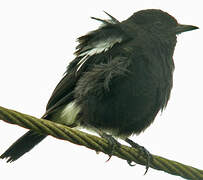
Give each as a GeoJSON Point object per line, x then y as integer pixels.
{"type": "Point", "coordinates": [183, 28]}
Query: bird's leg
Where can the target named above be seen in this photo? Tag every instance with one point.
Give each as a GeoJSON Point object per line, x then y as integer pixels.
{"type": "Point", "coordinates": [113, 143]}
{"type": "Point", "coordinates": [143, 150]}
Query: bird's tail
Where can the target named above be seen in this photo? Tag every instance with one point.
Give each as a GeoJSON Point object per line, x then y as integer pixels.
{"type": "Point", "coordinates": [24, 144]}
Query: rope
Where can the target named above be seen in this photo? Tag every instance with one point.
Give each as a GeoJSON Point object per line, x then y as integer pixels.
{"type": "Point", "coordinates": [98, 144]}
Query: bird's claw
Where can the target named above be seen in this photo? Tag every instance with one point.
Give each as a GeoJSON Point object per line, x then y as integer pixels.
{"type": "Point", "coordinates": [142, 150]}
{"type": "Point", "coordinates": [130, 163]}
{"type": "Point", "coordinates": [113, 144]}
{"type": "Point", "coordinates": [148, 157]}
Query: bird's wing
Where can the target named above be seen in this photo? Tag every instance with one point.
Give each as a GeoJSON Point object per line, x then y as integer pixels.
{"type": "Point", "coordinates": [62, 93]}
{"type": "Point", "coordinates": [90, 45]}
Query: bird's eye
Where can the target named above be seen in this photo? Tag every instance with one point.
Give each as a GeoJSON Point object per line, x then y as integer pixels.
{"type": "Point", "coordinates": [157, 24]}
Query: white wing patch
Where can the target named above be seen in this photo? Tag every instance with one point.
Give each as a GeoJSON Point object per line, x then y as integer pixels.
{"type": "Point", "coordinates": [98, 47]}
{"type": "Point", "coordinates": [69, 113]}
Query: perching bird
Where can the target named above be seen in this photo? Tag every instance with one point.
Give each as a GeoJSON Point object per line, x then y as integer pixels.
{"type": "Point", "coordinates": [120, 79]}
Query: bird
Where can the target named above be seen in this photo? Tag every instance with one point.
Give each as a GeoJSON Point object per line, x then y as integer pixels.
{"type": "Point", "coordinates": [120, 78]}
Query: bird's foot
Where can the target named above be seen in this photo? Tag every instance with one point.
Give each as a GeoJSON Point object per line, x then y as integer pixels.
{"type": "Point", "coordinates": [113, 143]}
{"type": "Point", "coordinates": [142, 150]}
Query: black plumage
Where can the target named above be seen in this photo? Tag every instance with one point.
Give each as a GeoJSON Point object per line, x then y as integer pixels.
{"type": "Point", "coordinates": [120, 79]}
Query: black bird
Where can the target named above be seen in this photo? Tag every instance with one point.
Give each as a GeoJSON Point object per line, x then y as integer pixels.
{"type": "Point", "coordinates": [120, 79]}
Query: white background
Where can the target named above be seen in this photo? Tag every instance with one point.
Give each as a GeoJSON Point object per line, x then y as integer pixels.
{"type": "Point", "coordinates": [37, 40]}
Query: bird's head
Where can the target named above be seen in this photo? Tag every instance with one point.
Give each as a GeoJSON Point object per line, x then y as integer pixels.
{"type": "Point", "coordinates": [154, 20]}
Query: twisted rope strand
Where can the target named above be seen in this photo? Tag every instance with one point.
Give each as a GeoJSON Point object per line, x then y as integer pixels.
{"type": "Point", "coordinates": [98, 144]}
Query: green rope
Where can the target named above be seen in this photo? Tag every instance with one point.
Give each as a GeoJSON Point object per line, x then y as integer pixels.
{"type": "Point", "coordinates": [98, 144]}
